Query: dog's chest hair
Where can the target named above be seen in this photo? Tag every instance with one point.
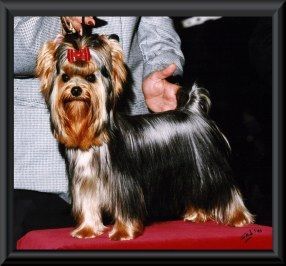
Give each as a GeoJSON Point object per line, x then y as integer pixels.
{"type": "Point", "coordinates": [91, 165]}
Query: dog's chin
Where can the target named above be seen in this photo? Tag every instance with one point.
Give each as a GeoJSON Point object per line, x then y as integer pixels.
{"type": "Point", "coordinates": [76, 108]}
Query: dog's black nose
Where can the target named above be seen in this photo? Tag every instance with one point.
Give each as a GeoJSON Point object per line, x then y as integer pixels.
{"type": "Point", "coordinates": [76, 91]}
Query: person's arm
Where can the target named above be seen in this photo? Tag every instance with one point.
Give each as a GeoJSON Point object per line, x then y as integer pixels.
{"type": "Point", "coordinates": [160, 45]}
{"type": "Point", "coordinates": [161, 49]}
{"type": "Point", "coordinates": [29, 35]}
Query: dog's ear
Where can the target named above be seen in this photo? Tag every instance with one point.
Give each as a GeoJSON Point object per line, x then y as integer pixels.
{"type": "Point", "coordinates": [46, 67]}
{"type": "Point", "coordinates": [119, 72]}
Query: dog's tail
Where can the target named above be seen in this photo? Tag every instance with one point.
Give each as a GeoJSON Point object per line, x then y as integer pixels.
{"type": "Point", "coordinates": [197, 100]}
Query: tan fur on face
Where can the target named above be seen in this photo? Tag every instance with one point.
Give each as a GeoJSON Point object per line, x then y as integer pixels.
{"type": "Point", "coordinates": [80, 68]}
{"type": "Point", "coordinates": [82, 120]}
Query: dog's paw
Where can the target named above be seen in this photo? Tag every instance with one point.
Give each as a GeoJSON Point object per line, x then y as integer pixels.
{"type": "Point", "coordinates": [120, 235]}
{"type": "Point", "coordinates": [87, 232]}
{"type": "Point", "coordinates": [241, 218]}
{"type": "Point", "coordinates": [237, 214]}
{"type": "Point", "coordinates": [126, 231]}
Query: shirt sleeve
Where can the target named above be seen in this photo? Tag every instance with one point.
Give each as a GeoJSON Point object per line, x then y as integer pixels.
{"type": "Point", "coordinates": [29, 35]}
{"type": "Point", "coordinates": [160, 44]}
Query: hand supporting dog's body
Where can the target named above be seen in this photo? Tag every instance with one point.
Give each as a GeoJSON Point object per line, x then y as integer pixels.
{"type": "Point", "coordinates": [135, 168]}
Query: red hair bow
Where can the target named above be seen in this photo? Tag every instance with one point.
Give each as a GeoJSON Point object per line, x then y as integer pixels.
{"type": "Point", "coordinates": [78, 55]}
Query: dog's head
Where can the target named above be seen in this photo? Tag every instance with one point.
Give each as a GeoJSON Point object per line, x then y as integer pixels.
{"type": "Point", "coordinates": [81, 79]}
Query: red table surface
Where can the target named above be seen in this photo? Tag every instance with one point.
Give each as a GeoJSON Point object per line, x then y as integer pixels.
{"type": "Point", "coordinates": [170, 235]}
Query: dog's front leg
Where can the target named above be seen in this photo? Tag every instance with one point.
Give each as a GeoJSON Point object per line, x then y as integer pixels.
{"type": "Point", "coordinates": [126, 229]}
{"type": "Point", "coordinates": [86, 205]}
{"type": "Point", "coordinates": [86, 210]}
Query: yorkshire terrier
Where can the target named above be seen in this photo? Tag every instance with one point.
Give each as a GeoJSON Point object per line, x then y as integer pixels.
{"type": "Point", "coordinates": [139, 168]}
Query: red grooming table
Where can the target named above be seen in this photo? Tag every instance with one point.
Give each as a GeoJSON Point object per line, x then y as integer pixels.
{"type": "Point", "coordinates": [170, 235]}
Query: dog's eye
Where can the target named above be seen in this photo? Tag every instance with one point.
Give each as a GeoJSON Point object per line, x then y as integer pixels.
{"type": "Point", "coordinates": [90, 78]}
{"type": "Point", "coordinates": [65, 77]}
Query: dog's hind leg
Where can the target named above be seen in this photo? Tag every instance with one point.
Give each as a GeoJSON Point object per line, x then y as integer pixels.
{"type": "Point", "coordinates": [236, 214]}
{"type": "Point", "coordinates": [233, 214]}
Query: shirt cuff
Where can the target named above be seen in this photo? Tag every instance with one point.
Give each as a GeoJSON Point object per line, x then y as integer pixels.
{"type": "Point", "coordinates": [160, 62]}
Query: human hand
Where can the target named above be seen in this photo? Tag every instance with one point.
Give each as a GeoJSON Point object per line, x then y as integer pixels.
{"type": "Point", "coordinates": [160, 95]}
{"type": "Point", "coordinates": [76, 23]}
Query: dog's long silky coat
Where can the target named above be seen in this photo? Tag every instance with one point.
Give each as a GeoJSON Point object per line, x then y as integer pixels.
{"type": "Point", "coordinates": [135, 168]}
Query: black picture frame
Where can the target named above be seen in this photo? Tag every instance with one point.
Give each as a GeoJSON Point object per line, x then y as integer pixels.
{"type": "Point", "coordinates": [12, 8]}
